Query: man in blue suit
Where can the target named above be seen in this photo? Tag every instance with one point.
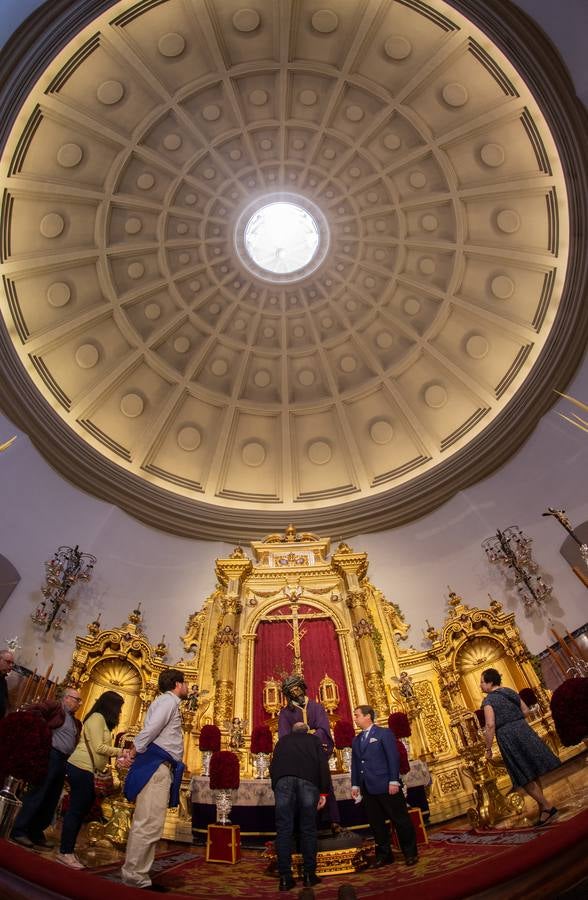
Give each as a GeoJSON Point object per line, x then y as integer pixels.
{"type": "Point", "coordinates": [375, 777]}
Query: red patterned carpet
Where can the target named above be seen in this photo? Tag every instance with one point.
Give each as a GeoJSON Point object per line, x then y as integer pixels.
{"type": "Point", "coordinates": [454, 864]}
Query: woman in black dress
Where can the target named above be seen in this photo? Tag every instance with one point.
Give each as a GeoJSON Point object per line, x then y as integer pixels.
{"type": "Point", "coordinates": [525, 755]}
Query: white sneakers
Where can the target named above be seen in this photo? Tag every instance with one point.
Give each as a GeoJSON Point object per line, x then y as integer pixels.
{"type": "Point", "coordinates": [69, 859]}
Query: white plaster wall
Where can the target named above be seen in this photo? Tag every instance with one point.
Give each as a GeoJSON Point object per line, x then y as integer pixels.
{"type": "Point", "coordinates": [413, 565]}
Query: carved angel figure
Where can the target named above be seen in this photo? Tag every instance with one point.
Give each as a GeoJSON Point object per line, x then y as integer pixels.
{"type": "Point", "coordinates": [236, 728]}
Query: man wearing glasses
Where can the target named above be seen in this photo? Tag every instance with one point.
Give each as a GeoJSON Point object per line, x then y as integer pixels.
{"type": "Point", "coordinates": [40, 803]}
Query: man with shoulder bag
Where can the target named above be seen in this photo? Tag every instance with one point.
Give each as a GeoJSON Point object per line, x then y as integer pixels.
{"type": "Point", "coordinates": [154, 778]}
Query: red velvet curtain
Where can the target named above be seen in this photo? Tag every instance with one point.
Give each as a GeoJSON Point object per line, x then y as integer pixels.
{"type": "Point", "coordinates": [319, 648]}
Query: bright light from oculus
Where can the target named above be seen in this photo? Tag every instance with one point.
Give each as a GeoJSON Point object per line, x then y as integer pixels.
{"type": "Point", "coordinates": [281, 237]}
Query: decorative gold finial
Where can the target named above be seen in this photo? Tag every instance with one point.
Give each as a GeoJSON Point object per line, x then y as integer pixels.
{"type": "Point", "coordinates": [495, 605]}
{"type": "Point", "coordinates": [454, 599]}
{"type": "Point", "coordinates": [136, 615]}
{"type": "Point", "coordinates": [431, 632]}
{"type": "Point", "coordinates": [161, 649]}
{"type": "Point", "coordinates": [94, 627]}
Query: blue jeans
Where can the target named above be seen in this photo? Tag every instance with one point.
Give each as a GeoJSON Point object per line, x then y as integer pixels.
{"type": "Point", "coordinates": [295, 796]}
{"type": "Point", "coordinates": [81, 799]}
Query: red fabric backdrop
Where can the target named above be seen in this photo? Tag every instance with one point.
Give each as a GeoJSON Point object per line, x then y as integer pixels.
{"type": "Point", "coordinates": [320, 653]}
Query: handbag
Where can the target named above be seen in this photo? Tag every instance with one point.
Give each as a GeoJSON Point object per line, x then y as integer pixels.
{"type": "Point", "coordinates": [103, 781]}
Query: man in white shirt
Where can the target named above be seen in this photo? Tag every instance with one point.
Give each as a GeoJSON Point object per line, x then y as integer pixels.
{"type": "Point", "coordinates": [154, 778]}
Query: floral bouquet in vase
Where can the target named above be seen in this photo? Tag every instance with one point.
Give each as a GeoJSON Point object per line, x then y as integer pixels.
{"type": "Point", "coordinates": [261, 749]}
{"type": "Point", "coordinates": [209, 742]}
{"type": "Point", "coordinates": [224, 779]}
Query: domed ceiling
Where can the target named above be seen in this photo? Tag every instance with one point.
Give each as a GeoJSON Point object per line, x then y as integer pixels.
{"type": "Point", "coordinates": [217, 379]}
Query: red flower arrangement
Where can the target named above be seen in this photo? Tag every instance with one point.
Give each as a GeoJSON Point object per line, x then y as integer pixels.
{"type": "Point", "coordinates": [569, 708]}
{"type": "Point", "coordinates": [528, 696]}
{"type": "Point", "coordinates": [398, 722]}
{"type": "Point", "coordinates": [261, 739]}
{"type": "Point", "coordinates": [25, 738]}
{"type": "Point", "coordinates": [224, 770]}
{"type": "Point", "coordinates": [343, 732]}
{"type": "Point", "coordinates": [210, 738]}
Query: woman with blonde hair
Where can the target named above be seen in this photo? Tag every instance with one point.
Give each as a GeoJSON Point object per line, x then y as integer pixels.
{"type": "Point", "coordinates": [91, 755]}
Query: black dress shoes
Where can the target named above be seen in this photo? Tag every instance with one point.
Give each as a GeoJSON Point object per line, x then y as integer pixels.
{"type": "Point", "coordinates": [382, 861]}
{"type": "Point", "coordinates": [286, 883]}
{"type": "Point", "coordinates": [310, 879]}
{"type": "Point", "coordinates": [412, 860]}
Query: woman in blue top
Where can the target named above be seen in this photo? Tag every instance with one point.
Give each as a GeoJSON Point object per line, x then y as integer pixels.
{"type": "Point", "coordinates": [525, 755]}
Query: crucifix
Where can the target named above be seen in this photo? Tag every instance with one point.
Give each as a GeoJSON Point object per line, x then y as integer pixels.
{"type": "Point", "coordinates": [293, 594]}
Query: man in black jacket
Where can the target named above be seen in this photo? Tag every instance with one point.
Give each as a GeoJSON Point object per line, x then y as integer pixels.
{"type": "Point", "coordinates": [300, 781]}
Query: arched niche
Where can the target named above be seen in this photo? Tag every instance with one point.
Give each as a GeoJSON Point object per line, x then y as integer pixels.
{"type": "Point", "coordinates": [473, 639]}
{"type": "Point", "coordinates": [122, 660]}
{"type": "Point", "coordinates": [115, 674]}
{"type": "Point", "coordinates": [475, 655]}
{"type": "Point", "coordinates": [323, 650]}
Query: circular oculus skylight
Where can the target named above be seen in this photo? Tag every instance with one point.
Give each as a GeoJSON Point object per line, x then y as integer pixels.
{"type": "Point", "coordinates": [281, 237]}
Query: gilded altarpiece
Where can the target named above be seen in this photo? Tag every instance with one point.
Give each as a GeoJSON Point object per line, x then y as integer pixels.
{"type": "Point", "coordinates": [326, 620]}
{"type": "Point", "coordinates": [294, 581]}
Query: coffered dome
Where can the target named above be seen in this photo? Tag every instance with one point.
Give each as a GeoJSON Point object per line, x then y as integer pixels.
{"type": "Point", "coordinates": [209, 375]}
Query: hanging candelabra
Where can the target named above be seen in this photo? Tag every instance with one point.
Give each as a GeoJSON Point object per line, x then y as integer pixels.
{"type": "Point", "coordinates": [512, 549]}
{"type": "Point", "coordinates": [560, 515]}
{"type": "Point", "coordinates": [67, 567]}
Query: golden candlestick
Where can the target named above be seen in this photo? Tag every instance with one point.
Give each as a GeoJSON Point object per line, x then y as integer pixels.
{"type": "Point", "coordinates": [490, 804]}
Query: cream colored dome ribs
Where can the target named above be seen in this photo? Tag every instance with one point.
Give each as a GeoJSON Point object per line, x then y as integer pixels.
{"type": "Point", "coordinates": [130, 176]}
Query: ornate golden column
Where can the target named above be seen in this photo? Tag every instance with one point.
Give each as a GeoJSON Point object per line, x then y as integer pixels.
{"type": "Point", "coordinates": [231, 574]}
{"type": "Point", "coordinates": [353, 568]}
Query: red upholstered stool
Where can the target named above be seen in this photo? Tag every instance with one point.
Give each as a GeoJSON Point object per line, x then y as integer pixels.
{"type": "Point", "coordinates": [223, 844]}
